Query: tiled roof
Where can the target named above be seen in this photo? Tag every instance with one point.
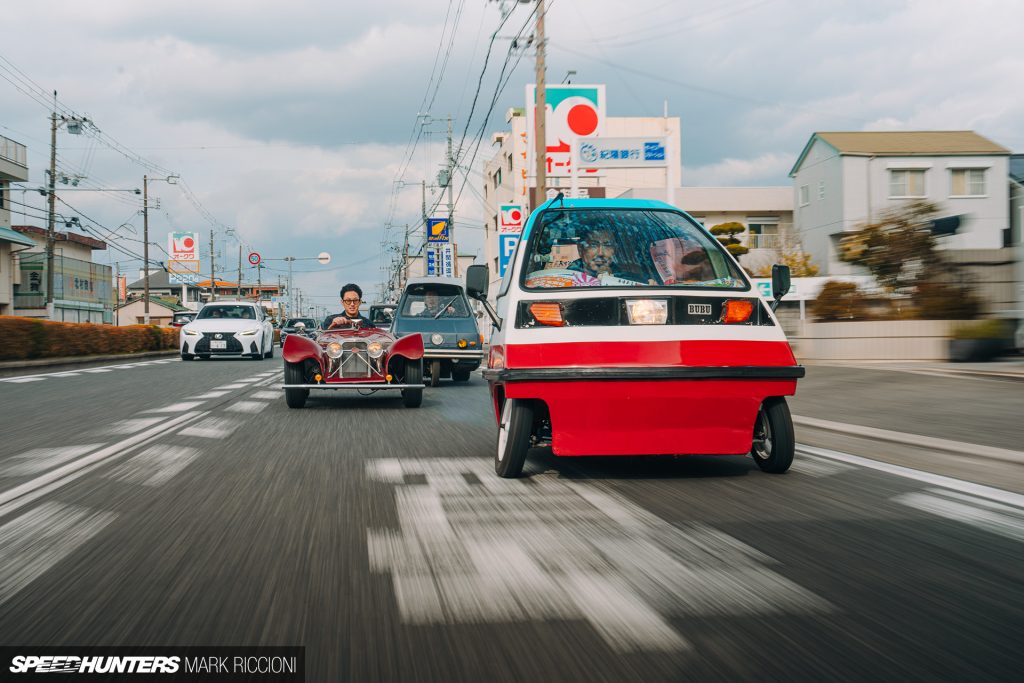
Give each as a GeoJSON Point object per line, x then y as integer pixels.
{"type": "Point", "coordinates": [900, 143]}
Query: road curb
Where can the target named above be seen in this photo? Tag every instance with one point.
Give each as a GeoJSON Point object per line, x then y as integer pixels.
{"type": "Point", "coordinates": [11, 367]}
{"type": "Point", "coordinates": [929, 442]}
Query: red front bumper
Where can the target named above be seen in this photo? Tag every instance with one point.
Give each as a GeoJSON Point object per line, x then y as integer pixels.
{"type": "Point", "coordinates": [652, 417]}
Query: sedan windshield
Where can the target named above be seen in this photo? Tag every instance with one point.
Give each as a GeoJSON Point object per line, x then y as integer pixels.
{"type": "Point", "coordinates": [227, 311]}
{"type": "Point", "coordinates": [625, 248]}
{"type": "Point", "coordinates": [308, 322]}
{"type": "Point", "coordinates": [430, 301]}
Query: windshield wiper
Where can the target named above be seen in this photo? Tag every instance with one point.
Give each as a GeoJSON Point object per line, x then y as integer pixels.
{"type": "Point", "coordinates": [445, 307]}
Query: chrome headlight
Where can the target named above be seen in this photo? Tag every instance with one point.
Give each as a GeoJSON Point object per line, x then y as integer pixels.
{"type": "Point", "coordinates": [190, 332]}
{"type": "Point", "coordinates": [334, 350]}
{"type": "Point", "coordinates": [437, 339]}
{"type": "Point", "coordinates": [375, 349]}
{"type": "Point", "coordinates": [249, 333]}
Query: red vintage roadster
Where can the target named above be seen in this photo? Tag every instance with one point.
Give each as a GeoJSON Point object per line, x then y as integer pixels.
{"type": "Point", "coordinates": [367, 359]}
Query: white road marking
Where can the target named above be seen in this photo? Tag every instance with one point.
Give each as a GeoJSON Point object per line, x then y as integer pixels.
{"type": "Point", "coordinates": [979, 490]}
{"type": "Point", "coordinates": [175, 407]}
{"type": "Point", "coordinates": [40, 538]}
{"type": "Point", "coordinates": [247, 406]}
{"type": "Point", "coordinates": [40, 459]}
{"type": "Point", "coordinates": [1005, 520]}
{"type": "Point", "coordinates": [211, 394]}
{"type": "Point", "coordinates": [132, 425]}
{"type": "Point", "coordinates": [71, 373]}
{"type": "Point", "coordinates": [233, 387]}
{"type": "Point", "coordinates": [247, 381]}
{"type": "Point", "coordinates": [27, 492]}
{"type": "Point", "coordinates": [918, 440]}
{"type": "Point", "coordinates": [155, 465]}
{"type": "Point", "coordinates": [97, 370]}
{"type": "Point", "coordinates": [20, 380]}
{"type": "Point", "coordinates": [212, 428]}
{"type": "Point", "coordinates": [816, 467]}
{"type": "Point", "coordinates": [473, 548]}
{"type": "Point", "coordinates": [266, 394]}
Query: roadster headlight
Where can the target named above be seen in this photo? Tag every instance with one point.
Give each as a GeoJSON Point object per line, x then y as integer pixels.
{"type": "Point", "coordinates": [249, 333]}
{"type": "Point", "coordinates": [375, 349]}
{"type": "Point", "coordinates": [436, 339]}
{"type": "Point", "coordinates": [334, 350]}
{"type": "Point", "coordinates": [190, 332]}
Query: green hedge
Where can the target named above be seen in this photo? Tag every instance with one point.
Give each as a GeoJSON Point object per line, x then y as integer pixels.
{"type": "Point", "coordinates": [25, 338]}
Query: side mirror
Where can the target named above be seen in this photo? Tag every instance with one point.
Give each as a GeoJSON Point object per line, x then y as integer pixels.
{"type": "Point", "coordinates": [780, 283]}
{"type": "Point", "coordinates": [477, 281]}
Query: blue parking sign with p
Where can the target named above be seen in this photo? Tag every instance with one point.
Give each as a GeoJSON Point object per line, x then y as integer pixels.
{"type": "Point", "coordinates": [506, 249]}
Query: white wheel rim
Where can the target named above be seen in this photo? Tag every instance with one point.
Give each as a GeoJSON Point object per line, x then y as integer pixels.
{"type": "Point", "coordinates": [506, 412]}
{"type": "Point", "coordinates": [763, 447]}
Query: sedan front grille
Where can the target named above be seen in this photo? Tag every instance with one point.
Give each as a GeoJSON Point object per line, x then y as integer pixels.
{"type": "Point", "coordinates": [233, 345]}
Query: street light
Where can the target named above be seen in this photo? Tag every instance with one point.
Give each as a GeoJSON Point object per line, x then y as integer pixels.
{"type": "Point", "coordinates": [171, 180]}
{"type": "Point", "coordinates": [323, 258]}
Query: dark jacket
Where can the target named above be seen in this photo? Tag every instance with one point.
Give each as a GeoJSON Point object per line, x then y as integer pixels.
{"type": "Point", "coordinates": [364, 321]}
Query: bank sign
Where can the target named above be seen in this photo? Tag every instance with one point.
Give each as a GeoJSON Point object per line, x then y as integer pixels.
{"type": "Point", "coordinates": [622, 153]}
{"type": "Point", "coordinates": [573, 111]}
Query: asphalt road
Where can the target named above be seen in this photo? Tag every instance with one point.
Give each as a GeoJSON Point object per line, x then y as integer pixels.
{"type": "Point", "coordinates": [170, 503]}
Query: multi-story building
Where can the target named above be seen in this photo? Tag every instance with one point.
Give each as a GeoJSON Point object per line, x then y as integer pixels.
{"type": "Point", "coordinates": [13, 168]}
{"type": "Point", "coordinates": [843, 180]}
{"type": "Point", "coordinates": [82, 289]}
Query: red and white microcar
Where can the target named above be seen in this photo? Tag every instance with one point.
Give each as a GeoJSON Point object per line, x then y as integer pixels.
{"type": "Point", "coordinates": [622, 327]}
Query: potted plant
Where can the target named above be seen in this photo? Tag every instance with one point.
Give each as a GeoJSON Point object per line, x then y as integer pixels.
{"type": "Point", "coordinates": [978, 341]}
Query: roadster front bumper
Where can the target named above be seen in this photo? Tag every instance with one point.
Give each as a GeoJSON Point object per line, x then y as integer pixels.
{"type": "Point", "coordinates": [352, 385]}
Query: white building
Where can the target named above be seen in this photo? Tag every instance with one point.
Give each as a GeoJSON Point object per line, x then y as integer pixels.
{"type": "Point", "coordinates": [842, 180]}
{"type": "Point", "coordinates": [13, 168]}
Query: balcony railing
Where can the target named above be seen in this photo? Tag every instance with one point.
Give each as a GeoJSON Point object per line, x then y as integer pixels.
{"type": "Point", "coordinates": [13, 151]}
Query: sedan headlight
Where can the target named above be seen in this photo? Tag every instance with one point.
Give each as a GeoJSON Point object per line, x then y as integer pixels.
{"type": "Point", "coordinates": [190, 332]}
{"type": "Point", "coordinates": [375, 349]}
{"type": "Point", "coordinates": [249, 333]}
{"type": "Point", "coordinates": [334, 350]}
{"type": "Point", "coordinates": [437, 339]}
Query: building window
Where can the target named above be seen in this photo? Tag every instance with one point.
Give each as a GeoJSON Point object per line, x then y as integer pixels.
{"type": "Point", "coordinates": [510, 162]}
{"type": "Point", "coordinates": [906, 183]}
{"type": "Point", "coordinates": [821, 189]}
{"type": "Point", "coordinates": [805, 195]}
{"type": "Point", "coordinates": [763, 235]}
{"type": "Point", "coordinates": [497, 178]}
{"type": "Point", "coordinates": [967, 182]}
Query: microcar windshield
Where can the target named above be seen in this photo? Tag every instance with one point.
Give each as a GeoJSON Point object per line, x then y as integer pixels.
{"type": "Point", "coordinates": [435, 301]}
{"type": "Point", "coordinates": [618, 247]}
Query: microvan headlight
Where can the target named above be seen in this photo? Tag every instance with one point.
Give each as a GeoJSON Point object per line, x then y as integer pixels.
{"type": "Point", "coordinates": [375, 349]}
{"type": "Point", "coordinates": [249, 333]}
{"type": "Point", "coordinates": [190, 332]}
{"type": "Point", "coordinates": [334, 350]}
{"type": "Point", "coordinates": [437, 339]}
{"type": "Point", "coordinates": [647, 311]}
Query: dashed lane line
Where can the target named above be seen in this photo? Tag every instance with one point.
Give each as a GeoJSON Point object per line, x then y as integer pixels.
{"type": "Point", "coordinates": [74, 373]}
{"type": "Point", "coordinates": [176, 407]}
{"type": "Point", "coordinates": [997, 518]}
{"type": "Point", "coordinates": [246, 407]}
{"type": "Point", "coordinates": [40, 459]}
{"type": "Point", "coordinates": [29, 491]}
{"type": "Point", "coordinates": [156, 465]}
{"type": "Point", "coordinates": [40, 538]}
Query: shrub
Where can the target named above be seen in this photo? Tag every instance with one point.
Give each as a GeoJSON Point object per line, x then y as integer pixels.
{"type": "Point", "coordinates": [730, 230]}
{"type": "Point", "coordinates": [936, 300]}
{"type": "Point", "coordinates": [24, 338]}
{"type": "Point", "coordinates": [839, 301]}
{"type": "Point", "coordinates": [983, 329]}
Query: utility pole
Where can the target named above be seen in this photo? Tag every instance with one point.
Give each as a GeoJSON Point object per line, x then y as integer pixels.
{"type": "Point", "coordinates": [259, 283]}
{"type": "Point", "coordinates": [403, 273]}
{"type": "Point", "coordinates": [540, 144]}
{"type": "Point", "coordinates": [51, 237]}
{"type": "Point", "coordinates": [145, 250]}
{"type": "Point", "coordinates": [239, 290]}
{"type": "Point", "coordinates": [213, 281]}
{"type": "Point", "coordinates": [451, 173]}
{"type": "Point", "coordinates": [291, 297]}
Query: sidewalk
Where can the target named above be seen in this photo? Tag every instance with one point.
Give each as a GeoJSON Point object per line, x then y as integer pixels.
{"type": "Point", "coordinates": [1008, 367]}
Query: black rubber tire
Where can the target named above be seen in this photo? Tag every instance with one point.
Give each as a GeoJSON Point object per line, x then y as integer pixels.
{"type": "Point", "coordinates": [270, 353]}
{"type": "Point", "coordinates": [295, 398]}
{"type": "Point", "coordinates": [515, 428]}
{"type": "Point", "coordinates": [461, 375]}
{"type": "Point", "coordinates": [412, 398]}
{"type": "Point", "coordinates": [773, 454]}
{"type": "Point", "coordinates": [435, 373]}
{"type": "Point", "coordinates": [187, 356]}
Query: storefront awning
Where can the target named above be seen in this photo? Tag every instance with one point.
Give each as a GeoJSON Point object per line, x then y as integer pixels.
{"type": "Point", "coordinates": [8, 235]}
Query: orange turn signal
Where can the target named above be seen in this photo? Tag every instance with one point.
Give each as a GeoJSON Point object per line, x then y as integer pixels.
{"type": "Point", "coordinates": [737, 311]}
{"type": "Point", "coordinates": [461, 343]}
{"type": "Point", "coordinates": [548, 314]}
{"type": "Point", "coordinates": [318, 377]}
{"type": "Point", "coordinates": [387, 377]}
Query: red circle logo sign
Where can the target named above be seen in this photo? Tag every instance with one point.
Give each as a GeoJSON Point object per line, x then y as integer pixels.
{"type": "Point", "coordinates": [516, 216]}
{"type": "Point", "coordinates": [188, 243]}
{"type": "Point", "coordinates": [582, 120]}
{"type": "Point", "coordinates": [254, 258]}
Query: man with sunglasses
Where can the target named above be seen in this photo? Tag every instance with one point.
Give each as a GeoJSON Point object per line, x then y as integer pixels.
{"type": "Point", "coordinates": [351, 297]}
{"type": "Point", "coordinates": [597, 258]}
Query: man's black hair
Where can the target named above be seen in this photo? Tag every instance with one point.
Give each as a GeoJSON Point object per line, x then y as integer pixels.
{"type": "Point", "coordinates": [350, 287]}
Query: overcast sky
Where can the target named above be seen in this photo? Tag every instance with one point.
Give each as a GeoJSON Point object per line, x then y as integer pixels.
{"type": "Point", "coordinates": [291, 121]}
